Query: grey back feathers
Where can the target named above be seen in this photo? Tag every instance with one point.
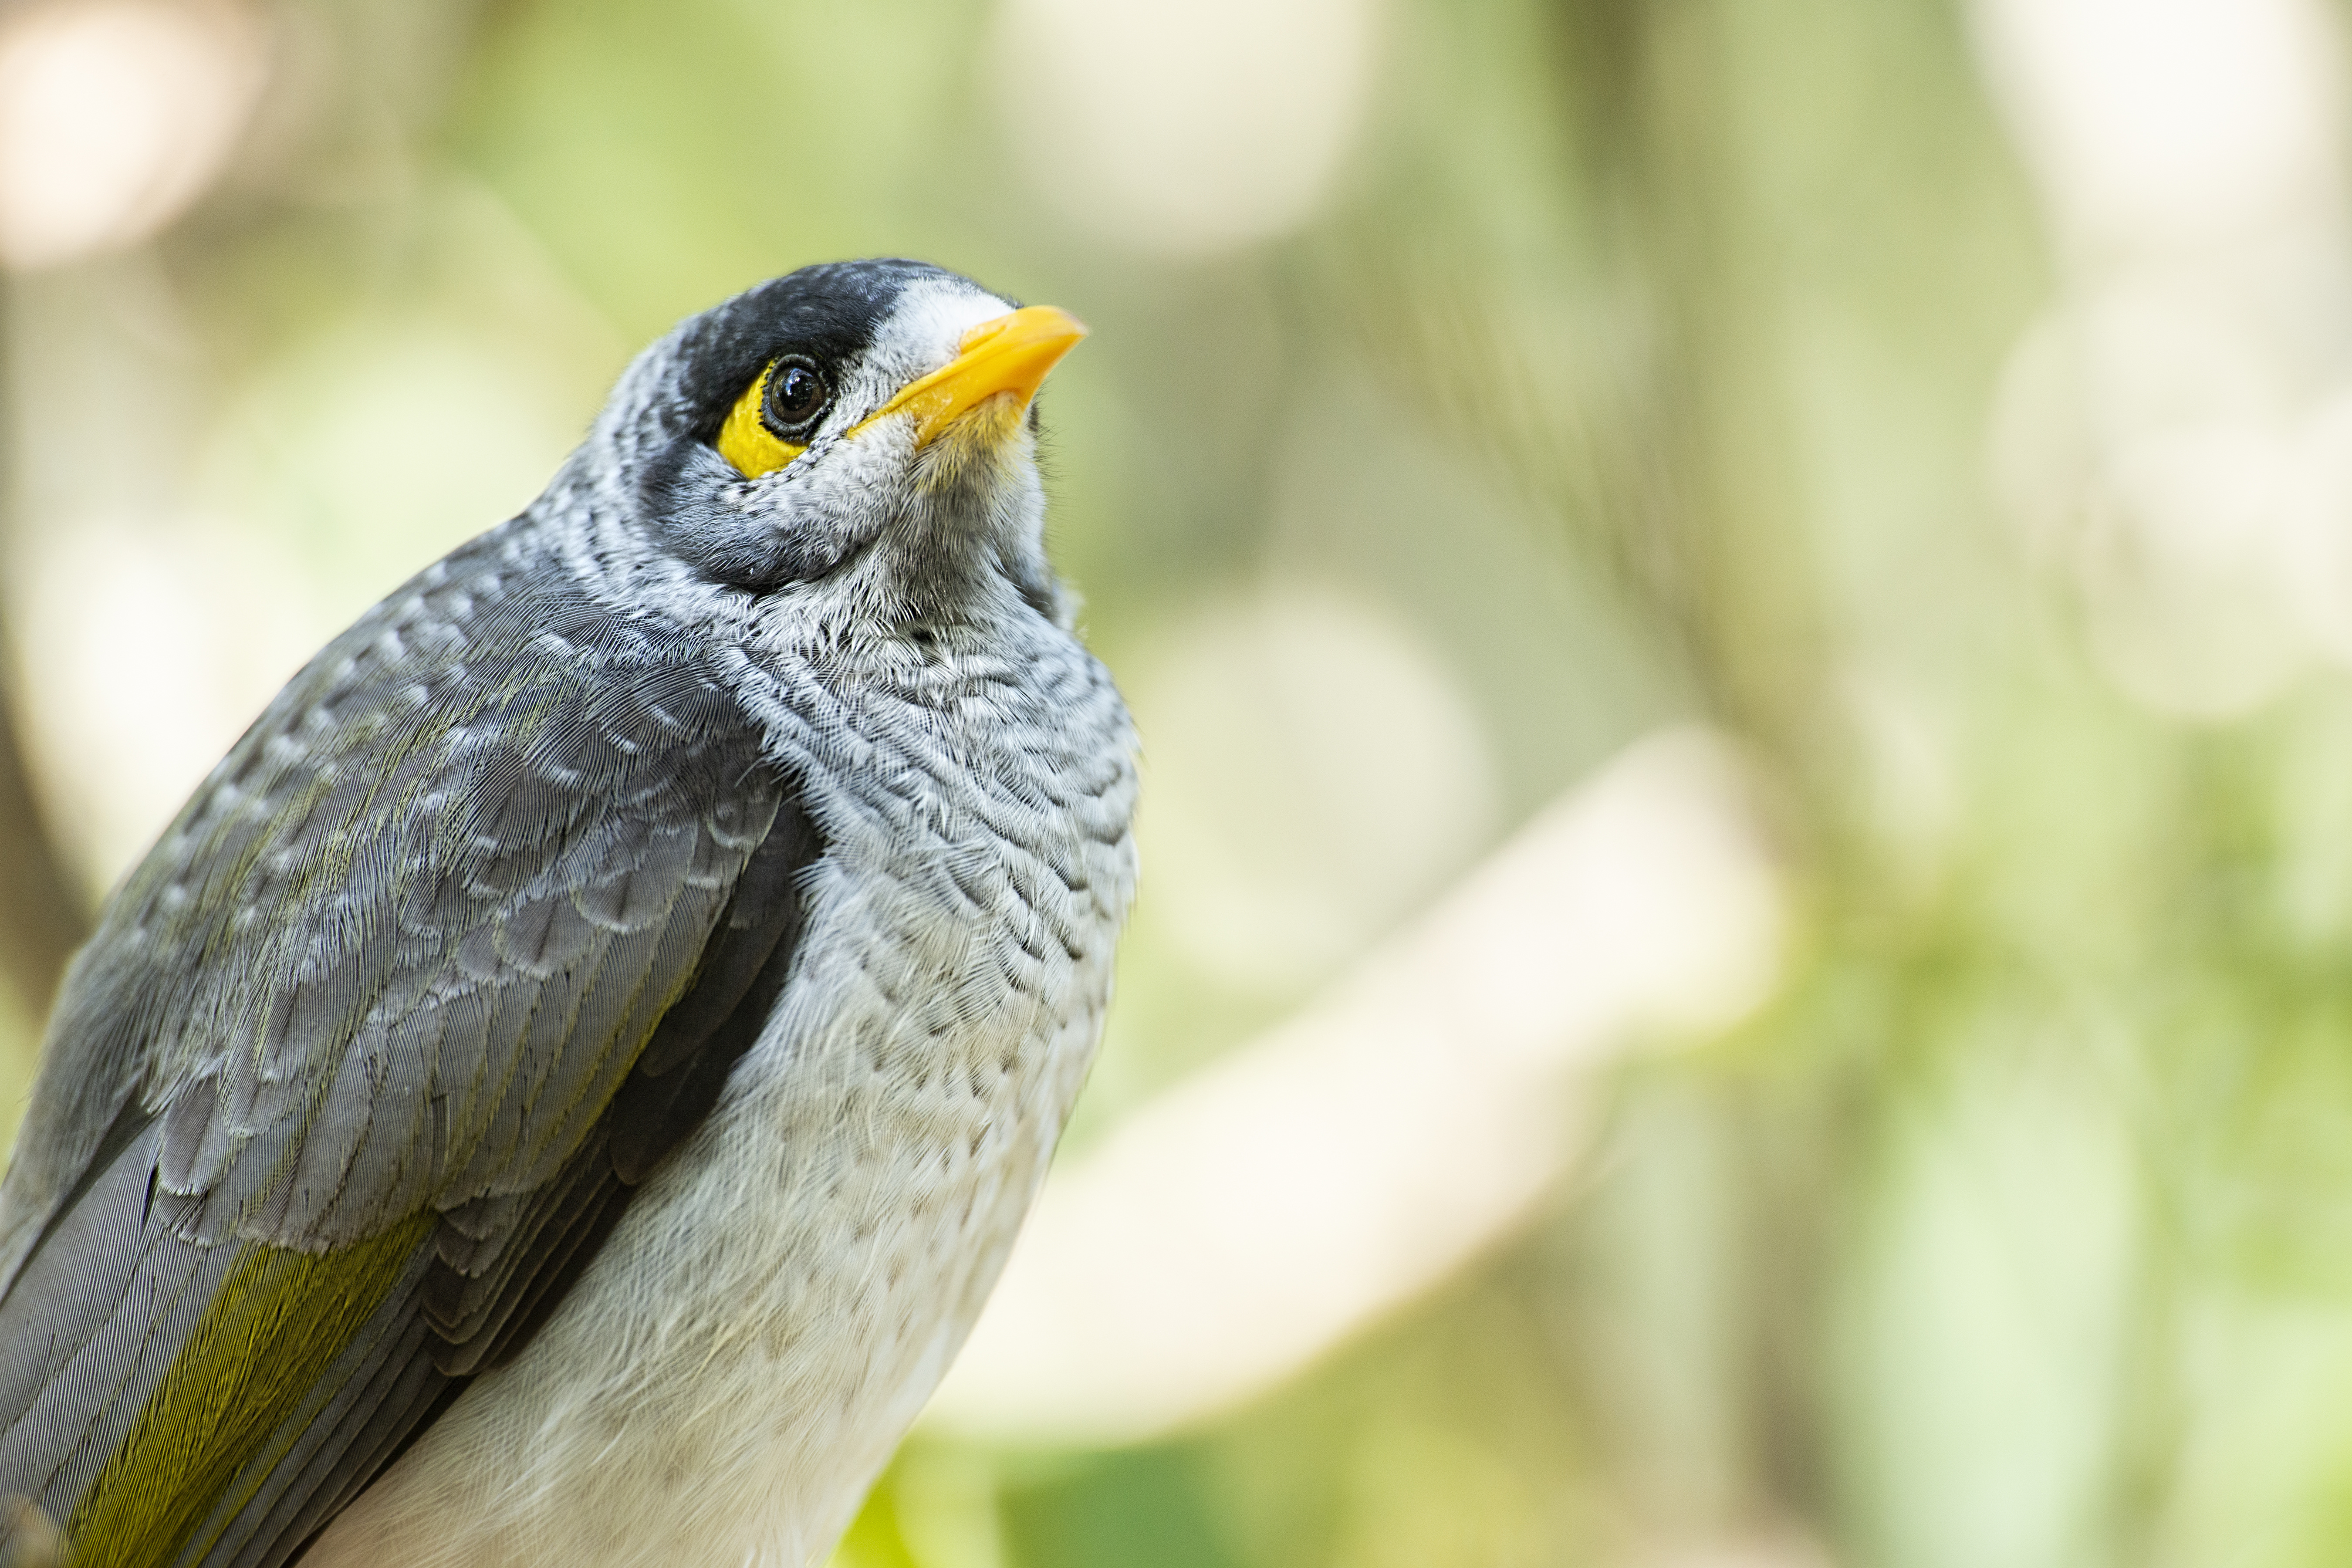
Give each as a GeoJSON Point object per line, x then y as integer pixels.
{"type": "Point", "coordinates": [471, 931]}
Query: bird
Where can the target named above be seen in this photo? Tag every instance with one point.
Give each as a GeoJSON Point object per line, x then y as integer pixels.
{"type": "Point", "coordinates": [565, 1084]}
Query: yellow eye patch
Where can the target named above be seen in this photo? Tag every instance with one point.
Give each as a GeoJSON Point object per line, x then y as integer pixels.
{"type": "Point", "coordinates": [745, 439]}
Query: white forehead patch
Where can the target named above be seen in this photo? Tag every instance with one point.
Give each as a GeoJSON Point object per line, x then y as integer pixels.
{"type": "Point", "coordinates": [921, 334]}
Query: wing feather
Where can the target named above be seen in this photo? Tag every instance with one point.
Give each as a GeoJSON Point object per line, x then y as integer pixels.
{"type": "Point", "coordinates": [451, 951]}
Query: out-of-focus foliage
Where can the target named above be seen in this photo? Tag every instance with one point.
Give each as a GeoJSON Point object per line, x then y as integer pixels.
{"type": "Point", "coordinates": [1628, 360]}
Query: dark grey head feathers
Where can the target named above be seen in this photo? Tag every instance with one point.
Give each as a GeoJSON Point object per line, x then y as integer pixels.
{"type": "Point", "coordinates": [902, 536]}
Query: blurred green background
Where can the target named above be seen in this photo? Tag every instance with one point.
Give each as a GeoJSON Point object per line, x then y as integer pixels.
{"type": "Point", "coordinates": [1947, 403]}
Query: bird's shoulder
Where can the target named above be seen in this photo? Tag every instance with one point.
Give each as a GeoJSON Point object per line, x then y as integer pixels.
{"type": "Point", "coordinates": [406, 939]}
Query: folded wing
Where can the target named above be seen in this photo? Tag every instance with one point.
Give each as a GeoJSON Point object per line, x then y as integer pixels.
{"type": "Point", "coordinates": [369, 1055]}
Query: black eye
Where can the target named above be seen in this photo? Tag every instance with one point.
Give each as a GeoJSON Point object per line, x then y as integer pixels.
{"type": "Point", "coordinates": [797, 395]}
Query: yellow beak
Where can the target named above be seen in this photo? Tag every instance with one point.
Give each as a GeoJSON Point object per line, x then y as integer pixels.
{"type": "Point", "coordinates": [1007, 357]}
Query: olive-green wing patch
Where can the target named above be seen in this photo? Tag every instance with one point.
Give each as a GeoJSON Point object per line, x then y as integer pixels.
{"type": "Point", "coordinates": [258, 1354]}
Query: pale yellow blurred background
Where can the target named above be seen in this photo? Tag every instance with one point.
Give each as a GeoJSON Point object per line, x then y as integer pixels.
{"type": "Point", "coordinates": [1741, 611]}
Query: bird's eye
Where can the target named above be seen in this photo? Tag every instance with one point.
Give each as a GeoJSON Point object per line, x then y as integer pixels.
{"type": "Point", "coordinates": [796, 396]}
{"type": "Point", "coordinates": [771, 422]}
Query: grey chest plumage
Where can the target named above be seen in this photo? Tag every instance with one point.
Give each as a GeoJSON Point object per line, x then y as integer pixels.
{"type": "Point", "coordinates": [782, 1297]}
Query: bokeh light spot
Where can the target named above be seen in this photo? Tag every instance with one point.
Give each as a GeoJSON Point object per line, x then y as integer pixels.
{"type": "Point", "coordinates": [1185, 129]}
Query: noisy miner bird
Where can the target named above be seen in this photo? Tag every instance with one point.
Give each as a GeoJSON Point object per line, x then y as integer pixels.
{"type": "Point", "coordinates": [561, 1090]}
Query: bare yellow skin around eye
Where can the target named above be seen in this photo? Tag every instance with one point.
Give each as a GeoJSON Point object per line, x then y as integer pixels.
{"type": "Point", "coordinates": [745, 439]}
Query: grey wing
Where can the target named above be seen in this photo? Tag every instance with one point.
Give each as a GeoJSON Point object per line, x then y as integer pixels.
{"type": "Point", "coordinates": [454, 947]}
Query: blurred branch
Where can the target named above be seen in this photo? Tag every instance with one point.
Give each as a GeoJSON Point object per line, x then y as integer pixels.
{"type": "Point", "coordinates": [41, 919]}
{"type": "Point", "coordinates": [1696, 503]}
{"type": "Point", "coordinates": [1634, 396]}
